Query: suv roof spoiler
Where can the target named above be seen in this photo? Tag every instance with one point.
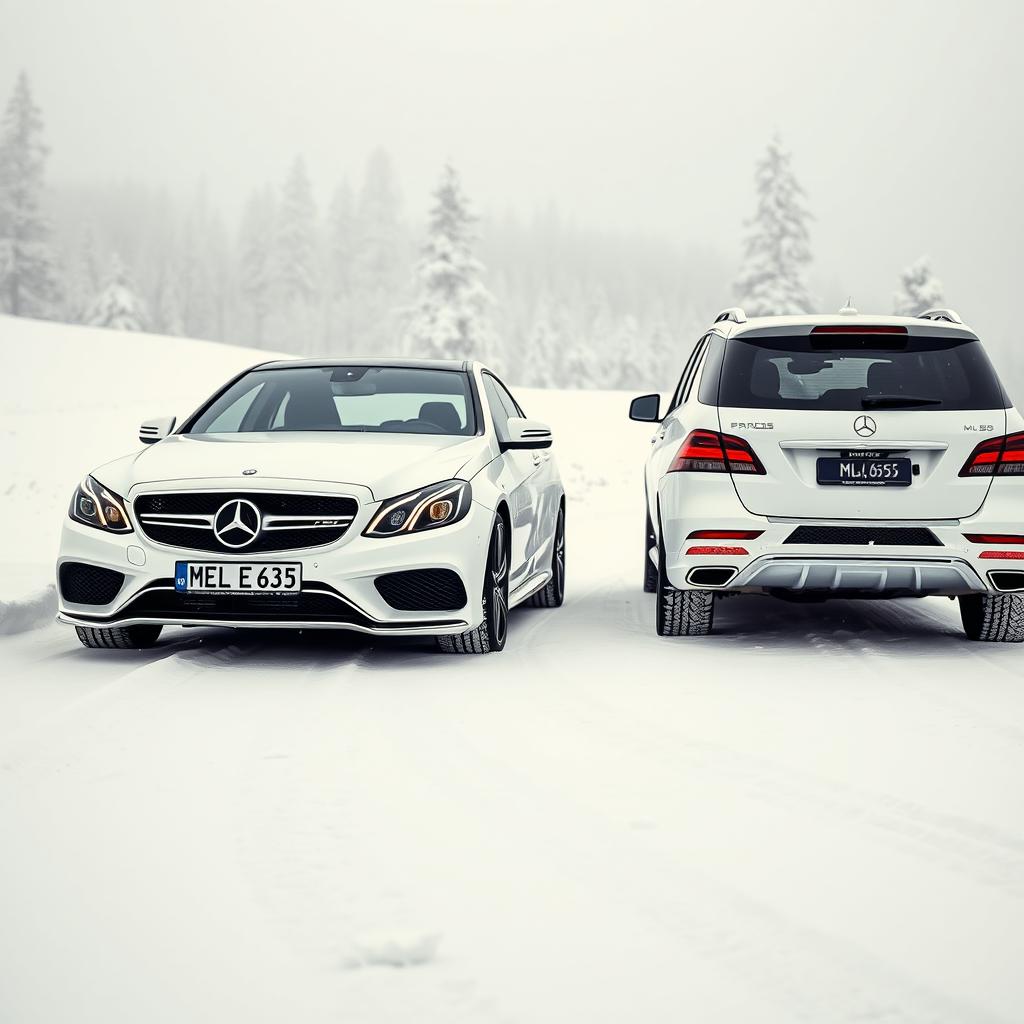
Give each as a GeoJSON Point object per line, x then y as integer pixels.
{"type": "Point", "coordinates": [949, 315]}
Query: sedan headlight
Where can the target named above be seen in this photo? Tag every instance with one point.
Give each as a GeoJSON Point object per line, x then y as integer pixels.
{"type": "Point", "coordinates": [96, 505]}
{"type": "Point", "coordinates": [428, 508]}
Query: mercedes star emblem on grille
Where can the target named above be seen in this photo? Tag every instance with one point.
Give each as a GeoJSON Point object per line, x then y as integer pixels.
{"type": "Point", "coordinates": [237, 523]}
{"type": "Point", "coordinates": [864, 426]}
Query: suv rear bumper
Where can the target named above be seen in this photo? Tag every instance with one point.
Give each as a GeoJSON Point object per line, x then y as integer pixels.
{"type": "Point", "coordinates": [891, 576]}
{"type": "Point", "coordinates": [900, 557]}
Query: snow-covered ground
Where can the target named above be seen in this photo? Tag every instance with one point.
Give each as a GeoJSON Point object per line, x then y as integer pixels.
{"type": "Point", "coordinates": [814, 815]}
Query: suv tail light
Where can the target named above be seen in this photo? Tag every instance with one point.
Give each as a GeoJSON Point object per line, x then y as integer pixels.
{"type": "Point", "coordinates": [1002, 456]}
{"type": "Point", "coordinates": [708, 451]}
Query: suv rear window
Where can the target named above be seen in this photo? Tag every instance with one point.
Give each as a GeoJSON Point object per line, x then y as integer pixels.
{"type": "Point", "coordinates": [855, 372]}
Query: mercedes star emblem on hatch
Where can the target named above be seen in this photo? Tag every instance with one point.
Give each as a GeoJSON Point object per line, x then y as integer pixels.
{"type": "Point", "coordinates": [237, 523]}
{"type": "Point", "coordinates": [864, 426]}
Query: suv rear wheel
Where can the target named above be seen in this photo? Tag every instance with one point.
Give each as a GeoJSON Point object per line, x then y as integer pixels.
{"type": "Point", "coordinates": [681, 612]}
{"type": "Point", "coordinates": [998, 618]}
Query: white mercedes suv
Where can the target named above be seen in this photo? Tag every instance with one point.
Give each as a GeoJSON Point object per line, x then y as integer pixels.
{"type": "Point", "coordinates": [809, 457]}
{"type": "Point", "coordinates": [398, 498]}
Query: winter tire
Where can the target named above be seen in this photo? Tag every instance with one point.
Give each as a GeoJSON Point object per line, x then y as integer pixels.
{"type": "Point", "coordinates": [681, 612]}
{"type": "Point", "coordinates": [650, 569]}
{"type": "Point", "coordinates": [122, 638]}
{"type": "Point", "coordinates": [491, 633]}
{"type": "Point", "coordinates": [997, 618]}
{"type": "Point", "coordinates": [552, 593]}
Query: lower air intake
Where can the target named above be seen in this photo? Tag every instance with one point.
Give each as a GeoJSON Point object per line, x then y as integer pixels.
{"type": "Point", "coordinates": [422, 590]}
{"type": "Point", "coordinates": [876, 536]}
{"type": "Point", "coordinates": [89, 584]}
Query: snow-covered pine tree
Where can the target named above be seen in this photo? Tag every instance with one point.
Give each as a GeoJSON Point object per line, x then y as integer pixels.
{"type": "Point", "coordinates": [341, 240]}
{"type": "Point", "coordinates": [919, 289]}
{"type": "Point", "coordinates": [28, 271]}
{"type": "Point", "coordinates": [297, 265]}
{"type": "Point", "coordinates": [451, 319]}
{"type": "Point", "coordinates": [296, 238]}
{"type": "Point", "coordinates": [771, 280]}
{"type": "Point", "coordinates": [381, 260]}
{"type": "Point", "coordinates": [118, 306]}
{"type": "Point", "coordinates": [256, 263]}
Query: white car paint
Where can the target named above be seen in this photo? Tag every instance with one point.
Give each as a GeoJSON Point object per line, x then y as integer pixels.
{"type": "Point", "coordinates": [372, 468]}
{"type": "Point", "coordinates": [788, 443]}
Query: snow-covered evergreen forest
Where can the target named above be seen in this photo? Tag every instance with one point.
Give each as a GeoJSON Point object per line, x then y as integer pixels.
{"type": "Point", "coordinates": [367, 270]}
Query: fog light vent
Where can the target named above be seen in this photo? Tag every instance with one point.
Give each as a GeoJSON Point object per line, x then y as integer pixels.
{"type": "Point", "coordinates": [89, 584]}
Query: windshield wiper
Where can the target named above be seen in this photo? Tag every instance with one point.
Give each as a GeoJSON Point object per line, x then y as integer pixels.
{"type": "Point", "coordinates": [896, 401]}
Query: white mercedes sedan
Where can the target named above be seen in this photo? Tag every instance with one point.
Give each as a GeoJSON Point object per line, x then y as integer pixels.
{"type": "Point", "coordinates": [402, 498]}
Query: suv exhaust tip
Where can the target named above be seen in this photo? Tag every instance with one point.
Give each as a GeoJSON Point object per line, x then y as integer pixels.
{"type": "Point", "coordinates": [1007, 581]}
{"type": "Point", "coordinates": [709, 576]}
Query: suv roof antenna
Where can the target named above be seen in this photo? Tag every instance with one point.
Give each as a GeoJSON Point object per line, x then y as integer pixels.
{"type": "Point", "coordinates": [848, 309]}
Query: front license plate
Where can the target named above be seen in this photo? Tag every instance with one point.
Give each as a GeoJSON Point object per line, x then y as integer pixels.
{"type": "Point", "coordinates": [238, 577]}
{"type": "Point", "coordinates": [865, 472]}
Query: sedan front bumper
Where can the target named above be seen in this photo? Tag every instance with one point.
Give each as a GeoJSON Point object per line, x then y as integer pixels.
{"type": "Point", "coordinates": [338, 591]}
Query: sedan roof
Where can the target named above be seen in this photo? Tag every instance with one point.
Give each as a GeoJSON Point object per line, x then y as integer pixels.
{"type": "Point", "coordinates": [462, 365]}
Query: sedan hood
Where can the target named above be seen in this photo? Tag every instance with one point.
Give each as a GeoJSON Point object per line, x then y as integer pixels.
{"type": "Point", "coordinates": [386, 464]}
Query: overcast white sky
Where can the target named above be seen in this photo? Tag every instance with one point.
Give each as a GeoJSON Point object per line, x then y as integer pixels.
{"type": "Point", "coordinates": [904, 117]}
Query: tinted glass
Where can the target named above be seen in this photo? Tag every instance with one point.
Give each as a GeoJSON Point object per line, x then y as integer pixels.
{"type": "Point", "coordinates": [500, 404]}
{"type": "Point", "coordinates": [375, 399]}
{"type": "Point", "coordinates": [852, 372]}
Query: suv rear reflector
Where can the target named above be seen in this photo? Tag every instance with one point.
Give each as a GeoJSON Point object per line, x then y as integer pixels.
{"type": "Point", "coordinates": [732, 535]}
{"type": "Point", "coordinates": [716, 549]}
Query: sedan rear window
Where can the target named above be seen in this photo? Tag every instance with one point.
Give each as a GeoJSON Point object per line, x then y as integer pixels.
{"type": "Point", "coordinates": [854, 372]}
{"type": "Point", "coordinates": [374, 399]}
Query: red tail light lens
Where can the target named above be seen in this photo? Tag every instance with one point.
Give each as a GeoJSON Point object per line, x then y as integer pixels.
{"type": "Point", "coordinates": [1001, 554]}
{"type": "Point", "coordinates": [733, 535]}
{"type": "Point", "coordinates": [991, 538]}
{"type": "Point", "coordinates": [707, 451]}
{"type": "Point", "coordinates": [998, 456]}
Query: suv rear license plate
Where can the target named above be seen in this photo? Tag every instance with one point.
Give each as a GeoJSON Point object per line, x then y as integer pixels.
{"type": "Point", "coordinates": [865, 472]}
{"type": "Point", "coordinates": [238, 577]}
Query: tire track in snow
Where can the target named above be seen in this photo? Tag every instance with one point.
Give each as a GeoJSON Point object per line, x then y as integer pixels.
{"type": "Point", "coordinates": [803, 973]}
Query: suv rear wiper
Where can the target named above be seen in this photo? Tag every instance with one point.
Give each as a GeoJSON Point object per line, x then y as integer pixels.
{"type": "Point", "coordinates": [896, 401]}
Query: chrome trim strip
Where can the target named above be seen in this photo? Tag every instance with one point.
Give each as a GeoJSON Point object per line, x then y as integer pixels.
{"type": "Point", "coordinates": [878, 445]}
{"type": "Point", "coordinates": [448, 626]}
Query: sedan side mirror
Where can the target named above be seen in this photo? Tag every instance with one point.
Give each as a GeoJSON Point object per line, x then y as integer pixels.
{"type": "Point", "coordinates": [523, 433]}
{"type": "Point", "coordinates": [646, 409]}
{"type": "Point", "coordinates": [156, 430]}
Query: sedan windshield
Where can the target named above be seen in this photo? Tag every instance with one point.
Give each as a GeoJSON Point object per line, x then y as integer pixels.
{"type": "Point", "coordinates": [377, 399]}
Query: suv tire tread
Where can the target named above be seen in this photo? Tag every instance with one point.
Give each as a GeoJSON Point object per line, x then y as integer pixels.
{"type": "Point", "coordinates": [993, 618]}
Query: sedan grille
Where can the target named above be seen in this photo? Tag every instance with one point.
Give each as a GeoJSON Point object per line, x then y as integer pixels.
{"type": "Point", "coordinates": [201, 520]}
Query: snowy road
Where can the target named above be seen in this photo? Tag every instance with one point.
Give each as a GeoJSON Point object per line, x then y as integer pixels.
{"type": "Point", "coordinates": [813, 815]}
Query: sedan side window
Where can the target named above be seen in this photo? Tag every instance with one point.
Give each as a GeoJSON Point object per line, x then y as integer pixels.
{"type": "Point", "coordinates": [499, 409]}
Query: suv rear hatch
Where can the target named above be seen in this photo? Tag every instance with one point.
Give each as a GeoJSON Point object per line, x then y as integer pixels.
{"type": "Point", "coordinates": [861, 422]}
